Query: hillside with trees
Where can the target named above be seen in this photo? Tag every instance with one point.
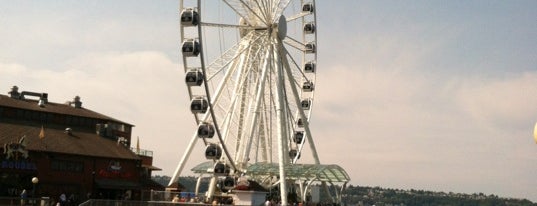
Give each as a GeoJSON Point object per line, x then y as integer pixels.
{"type": "Point", "coordinates": [369, 196]}
{"type": "Point", "coordinates": [363, 195]}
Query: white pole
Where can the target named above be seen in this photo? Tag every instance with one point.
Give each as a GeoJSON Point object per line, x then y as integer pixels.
{"type": "Point", "coordinates": [281, 126]}
{"type": "Point", "coordinates": [182, 163]}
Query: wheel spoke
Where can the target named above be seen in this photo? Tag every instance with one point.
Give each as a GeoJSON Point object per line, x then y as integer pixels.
{"type": "Point", "coordinates": [297, 16]}
{"type": "Point", "coordinates": [296, 66]}
{"type": "Point", "coordinates": [230, 55]}
{"type": "Point", "coordinates": [294, 43]}
{"type": "Point", "coordinates": [244, 10]}
{"type": "Point", "coordinates": [300, 110]}
{"type": "Point", "coordinates": [280, 7]}
{"type": "Point", "coordinates": [218, 25]}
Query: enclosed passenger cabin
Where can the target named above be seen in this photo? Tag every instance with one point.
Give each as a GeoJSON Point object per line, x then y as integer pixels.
{"type": "Point", "coordinates": [306, 104]}
{"type": "Point", "coordinates": [309, 28]}
{"type": "Point", "coordinates": [310, 47]}
{"type": "Point", "coordinates": [191, 48]}
{"type": "Point", "coordinates": [221, 169]}
{"type": "Point", "coordinates": [300, 122]}
{"type": "Point", "coordinates": [298, 137]}
{"type": "Point", "coordinates": [309, 67]}
{"type": "Point", "coordinates": [194, 77]}
{"type": "Point", "coordinates": [293, 153]}
{"type": "Point", "coordinates": [308, 7]}
{"type": "Point", "coordinates": [229, 183]}
{"type": "Point", "coordinates": [199, 105]}
{"type": "Point", "coordinates": [307, 86]}
{"type": "Point", "coordinates": [213, 152]}
{"type": "Point", "coordinates": [206, 130]}
{"type": "Point", "coordinates": [189, 17]}
{"type": "Point", "coordinates": [226, 184]}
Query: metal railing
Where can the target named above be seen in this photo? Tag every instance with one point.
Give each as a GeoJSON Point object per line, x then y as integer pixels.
{"type": "Point", "coordinates": [142, 152]}
{"type": "Point", "coordinates": [94, 202]}
{"type": "Point", "coordinates": [17, 201]}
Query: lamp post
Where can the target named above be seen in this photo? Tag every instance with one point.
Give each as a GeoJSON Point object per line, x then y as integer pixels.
{"type": "Point", "coordinates": [35, 180]}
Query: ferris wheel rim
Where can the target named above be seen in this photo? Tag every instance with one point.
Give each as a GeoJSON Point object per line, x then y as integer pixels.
{"type": "Point", "coordinates": [204, 65]}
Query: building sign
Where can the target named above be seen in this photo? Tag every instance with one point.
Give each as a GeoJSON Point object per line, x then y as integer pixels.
{"type": "Point", "coordinates": [14, 150]}
{"type": "Point", "coordinates": [18, 165]}
{"type": "Point", "coordinates": [16, 155]}
{"type": "Point", "coordinates": [114, 170]}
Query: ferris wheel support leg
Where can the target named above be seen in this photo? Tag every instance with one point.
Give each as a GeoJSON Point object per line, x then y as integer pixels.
{"type": "Point", "coordinates": [212, 188]}
{"type": "Point", "coordinates": [301, 190]}
{"type": "Point", "coordinates": [181, 165]}
{"type": "Point", "coordinates": [281, 129]}
{"type": "Point", "coordinates": [306, 188]}
{"type": "Point", "coordinates": [198, 183]}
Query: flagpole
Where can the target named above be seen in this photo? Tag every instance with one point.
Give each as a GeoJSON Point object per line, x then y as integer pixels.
{"type": "Point", "coordinates": [137, 145]}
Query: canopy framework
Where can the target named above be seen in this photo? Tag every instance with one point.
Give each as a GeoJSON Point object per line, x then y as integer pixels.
{"type": "Point", "coordinates": [319, 172]}
{"type": "Point", "coordinates": [302, 174]}
{"type": "Point", "coordinates": [305, 172]}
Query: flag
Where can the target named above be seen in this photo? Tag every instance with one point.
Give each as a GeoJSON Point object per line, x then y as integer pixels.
{"type": "Point", "coordinates": [42, 133]}
{"type": "Point", "coordinates": [535, 133]}
{"type": "Point", "coordinates": [137, 145]}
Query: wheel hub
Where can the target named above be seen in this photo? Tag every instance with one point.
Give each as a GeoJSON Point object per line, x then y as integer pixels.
{"type": "Point", "coordinates": [280, 29]}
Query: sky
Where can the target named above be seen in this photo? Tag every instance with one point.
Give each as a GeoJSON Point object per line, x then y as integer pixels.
{"type": "Point", "coordinates": [433, 95]}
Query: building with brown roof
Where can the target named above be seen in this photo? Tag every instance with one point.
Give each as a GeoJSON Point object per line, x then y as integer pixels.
{"type": "Point", "coordinates": [70, 149]}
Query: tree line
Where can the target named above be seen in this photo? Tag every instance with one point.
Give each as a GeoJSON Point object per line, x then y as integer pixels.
{"type": "Point", "coordinates": [368, 196]}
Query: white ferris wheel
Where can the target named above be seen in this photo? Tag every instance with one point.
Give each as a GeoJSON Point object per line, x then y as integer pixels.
{"type": "Point", "coordinates": [250, 70]}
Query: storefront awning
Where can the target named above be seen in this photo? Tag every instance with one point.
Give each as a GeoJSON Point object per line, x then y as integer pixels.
{"type": "Point", "coordinates": [151, 167]}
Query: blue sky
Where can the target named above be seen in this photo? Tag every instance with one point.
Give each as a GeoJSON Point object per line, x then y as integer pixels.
{"type": "Point", "coordinates": [436, 95]}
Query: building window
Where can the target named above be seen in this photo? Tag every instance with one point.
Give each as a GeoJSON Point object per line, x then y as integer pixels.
{"type": "Point", "coordinates": [35, 115]}
{"type": "Point", "coordinates": [67, 166]}
{"type": "Point", "coordinates": [43, 116]}
{"type": "Point", "coordinates": [20, 113]}
{"type": "Point", "coordinates": [50, 118]}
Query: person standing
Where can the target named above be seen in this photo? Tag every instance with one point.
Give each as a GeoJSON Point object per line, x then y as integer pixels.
{"type": "Point", "coordinates": [24, 196]}
{"type": "Point", "coordinates": [63, 199]}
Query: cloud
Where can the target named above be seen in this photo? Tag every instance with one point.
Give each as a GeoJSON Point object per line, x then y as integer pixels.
{"type": "Point", "coordinates": [12, 69]}
{"type": "Point", "coordinates": [500, 104]}
{"type": "Point", "coordinates": [409, 130]}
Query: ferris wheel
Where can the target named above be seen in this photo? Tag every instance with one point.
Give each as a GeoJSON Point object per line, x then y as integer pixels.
{"type": "Point", "coordinates": [250, 70]}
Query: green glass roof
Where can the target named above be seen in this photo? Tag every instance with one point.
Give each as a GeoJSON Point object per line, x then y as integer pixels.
{"type": "Point", "coordinates": [328, 173]}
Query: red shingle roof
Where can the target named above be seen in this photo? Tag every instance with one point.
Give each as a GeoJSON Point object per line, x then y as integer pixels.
{"type": "Point", "coordinates": [82, 141]}
{"type": "Point", "coordinates": [56, 140]}
{"type": "Point", "coordinates": [30, 104]}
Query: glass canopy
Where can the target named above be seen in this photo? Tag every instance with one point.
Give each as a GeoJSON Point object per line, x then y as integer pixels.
{"type": "Point", "coordinates": [328, 173]}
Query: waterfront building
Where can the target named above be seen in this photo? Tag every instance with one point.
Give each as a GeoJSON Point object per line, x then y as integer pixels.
{"type": "Point", "coordinates": [49, 149]}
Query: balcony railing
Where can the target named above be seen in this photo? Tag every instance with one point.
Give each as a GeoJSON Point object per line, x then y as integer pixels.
{"type": "Point", "coordinates": [142, 152]}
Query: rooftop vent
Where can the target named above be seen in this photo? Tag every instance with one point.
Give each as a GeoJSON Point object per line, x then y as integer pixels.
{"type": "Point", "coordinates": [76, 102]}
{"type": "Point", "coordinates": [41, 103]}
{"type": "Point", "coordinates": [14, 93]}
{"type": "Point", "coordinates": [68, 131]}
